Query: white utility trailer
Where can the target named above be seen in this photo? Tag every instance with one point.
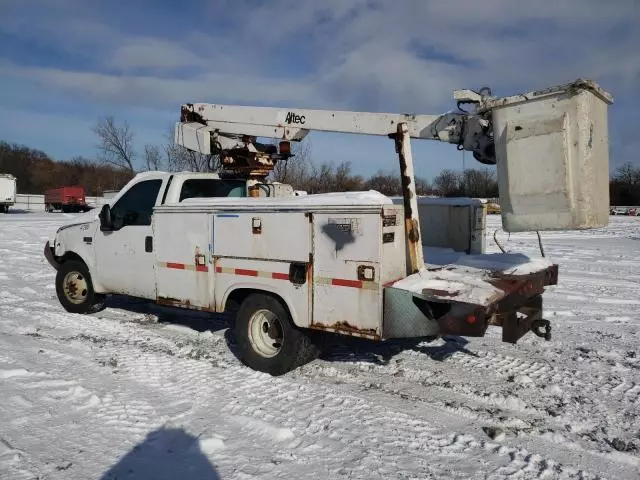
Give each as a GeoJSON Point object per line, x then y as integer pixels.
{"type": "Point", "coordinates": [7, 192]}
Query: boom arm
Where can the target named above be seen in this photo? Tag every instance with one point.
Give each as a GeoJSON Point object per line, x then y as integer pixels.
{"type": "Point", "coordinates": [202, 122]}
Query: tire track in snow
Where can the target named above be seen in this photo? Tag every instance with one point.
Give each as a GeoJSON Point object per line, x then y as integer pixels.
{"type": "Point", "coordinates": [526, 409]}
{"type": "Point", "coordinates": [65, 409]}
{"type": "Point", "coordinates": [505, 364]}
{"type": "Point", "coordinates": [257, 397]}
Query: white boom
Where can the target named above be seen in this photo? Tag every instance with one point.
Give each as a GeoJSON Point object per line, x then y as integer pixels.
{"type": "Point", "coordinates": [202, 122]}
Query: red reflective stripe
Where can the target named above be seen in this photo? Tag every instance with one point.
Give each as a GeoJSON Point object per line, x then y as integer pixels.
{"type": "Point", "coordinates": [202, 268]}
{"type": "Point", "coordinates": [248, 273]}
{"type": "Point", "coordinates": [218, 269]}
{"type": "Point", "coordinates": [341, 282]}
{"type": "Point", "coordinates": [280, 276]}
{"type": "Point", "coordinates": [178, 266]}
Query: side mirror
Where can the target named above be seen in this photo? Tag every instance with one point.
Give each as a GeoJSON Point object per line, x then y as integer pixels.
{"type": "Point", "coordinates": [106, 224]}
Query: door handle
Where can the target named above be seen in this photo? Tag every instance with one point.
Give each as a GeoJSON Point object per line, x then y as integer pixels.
{"type": "Point", "coordinates": [148, 244]}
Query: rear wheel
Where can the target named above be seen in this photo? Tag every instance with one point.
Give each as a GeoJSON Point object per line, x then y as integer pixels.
{"type": "Point", "coordinates": [267, 339]}
{"type": "Point", "coordinates": [75, 289]}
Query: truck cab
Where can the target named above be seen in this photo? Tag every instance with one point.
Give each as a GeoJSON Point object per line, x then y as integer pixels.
{"type": "Point", "coordinates": [116, 246]}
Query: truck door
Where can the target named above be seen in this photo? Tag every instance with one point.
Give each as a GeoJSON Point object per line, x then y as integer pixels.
{"type": "Point", "coordinates": [124, 257]}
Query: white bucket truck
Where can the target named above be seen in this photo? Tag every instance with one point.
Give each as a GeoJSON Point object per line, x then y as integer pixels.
{"type": "Point", "coordinates": [348, 263]}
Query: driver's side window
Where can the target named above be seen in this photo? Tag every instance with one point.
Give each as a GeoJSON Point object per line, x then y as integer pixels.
{"type": "Point", "coordinates": [135, 207]}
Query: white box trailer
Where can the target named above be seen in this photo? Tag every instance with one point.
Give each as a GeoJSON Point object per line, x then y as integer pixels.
{"type": "Point", "coordinates": [7, 192]}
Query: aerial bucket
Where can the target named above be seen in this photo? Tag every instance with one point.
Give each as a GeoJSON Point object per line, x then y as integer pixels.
{"type": "Point", "coordinates": [552, 151]}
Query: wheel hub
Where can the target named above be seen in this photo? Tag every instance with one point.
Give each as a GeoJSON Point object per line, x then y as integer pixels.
{"type": "Point", "coordinates": [75, 287]}
{"type": "Point", "coordinates": [265, 333]}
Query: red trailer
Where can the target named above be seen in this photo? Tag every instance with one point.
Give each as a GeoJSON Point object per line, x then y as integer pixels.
{"type": "Point", "coordinates": [67, 199]}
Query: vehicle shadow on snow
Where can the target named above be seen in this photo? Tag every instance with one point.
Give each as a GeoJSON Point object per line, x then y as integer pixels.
{"type": "Point", "coordinates": [166, 453]}
{"type": "Point", "coordinates": [336, 348]}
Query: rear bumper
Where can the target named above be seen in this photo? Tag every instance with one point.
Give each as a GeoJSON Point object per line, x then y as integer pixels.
{"type": "Point", "coordinates": [49, 255]}
{"type": "Point", "coordinates": [517, 311]}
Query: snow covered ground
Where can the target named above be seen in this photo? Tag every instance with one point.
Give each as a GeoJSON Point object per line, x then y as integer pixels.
{"type": "Point", "coordinates": [139, 391]}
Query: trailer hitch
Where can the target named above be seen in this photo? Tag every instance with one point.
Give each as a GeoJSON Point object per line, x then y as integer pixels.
{"type": "Point", "coordinates": [539, 325]}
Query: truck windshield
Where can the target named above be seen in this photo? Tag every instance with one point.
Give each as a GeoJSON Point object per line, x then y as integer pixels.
{"type": "Point", "coordinates": [212, 187]}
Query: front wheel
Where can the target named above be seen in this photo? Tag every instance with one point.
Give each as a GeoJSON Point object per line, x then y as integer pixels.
{"type": "Point", "coordinates": [75, 289]}
{"type": "Point", "coordinates": [267, 339]}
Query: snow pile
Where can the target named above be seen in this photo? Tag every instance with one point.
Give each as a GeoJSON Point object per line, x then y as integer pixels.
{"type": "Point", "coordinates": [465, 277]}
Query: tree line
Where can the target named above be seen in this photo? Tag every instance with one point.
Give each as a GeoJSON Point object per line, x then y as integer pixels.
{"type": "Point", "coordinates": [36, 172]}
{"type": "Point", "coordinates": [118, 157]}
{"type": "Point", "coordinates": [304, 174]}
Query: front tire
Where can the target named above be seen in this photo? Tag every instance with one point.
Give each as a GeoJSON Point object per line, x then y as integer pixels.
{"type": "Point", "coordinates": [267, 339]}
{"type": "Point", "coordinates": [75, 289]}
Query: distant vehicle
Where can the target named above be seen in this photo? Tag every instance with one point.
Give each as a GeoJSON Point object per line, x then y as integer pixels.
{"type": "Point", "coordinates": [634, 212]}
{"type": "Point", "coordinates": [7, 192]}
{"type": "Point", "coordinates": [66, 199]}
{"type": "Point", "coordinates": [618, 211]}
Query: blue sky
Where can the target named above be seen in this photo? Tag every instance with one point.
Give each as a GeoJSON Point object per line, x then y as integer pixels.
{"type": "Point", "coordinates": [64, 63]}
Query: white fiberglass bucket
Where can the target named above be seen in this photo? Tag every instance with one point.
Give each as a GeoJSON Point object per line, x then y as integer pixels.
{"type": "Point", "coordinates": [552, 150]}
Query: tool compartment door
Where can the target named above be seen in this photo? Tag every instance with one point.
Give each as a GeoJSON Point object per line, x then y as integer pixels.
{"type": "Point", "coordinates": [346, 273]}
{"type": "Point", "coordinates": [265, 251]}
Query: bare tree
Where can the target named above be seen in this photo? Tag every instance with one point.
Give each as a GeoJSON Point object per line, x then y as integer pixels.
{"type": "Point", "coordinates": [183, 159]}
{"type": "Point", "coordinates": [422, 186]}
{"type": "Point", "coordinates": [447, 183]}
{"type": "Point", "coordinates": [345, 181]}
{"type": "Point", "coordinates": [152, 157]}
{"type": "Point", "coordinates": [295, 171]}
{"type": "Point", "coordinates": [477, 183]}
{"type": "Point", "coordinates": [385, 183]}
{"type": "Point", "coordinates": [628, 174]}
{"type": "Point", "coordinates": [116, 143]}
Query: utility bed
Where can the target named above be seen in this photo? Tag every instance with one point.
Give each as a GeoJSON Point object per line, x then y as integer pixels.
{"type": "Point", "coordinates": [344, 259]}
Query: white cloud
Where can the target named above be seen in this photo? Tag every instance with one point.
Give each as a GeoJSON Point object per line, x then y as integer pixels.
{"type": "Point", "coordinates": [138, 90]}
{"type": "Point", "coordinates": [153, 53]}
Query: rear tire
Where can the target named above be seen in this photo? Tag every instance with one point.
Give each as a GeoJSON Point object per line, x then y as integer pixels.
{"type": "Point", "coordinates": [267, 339]}
{"type": "Point", "coordinates": [75, 289]}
